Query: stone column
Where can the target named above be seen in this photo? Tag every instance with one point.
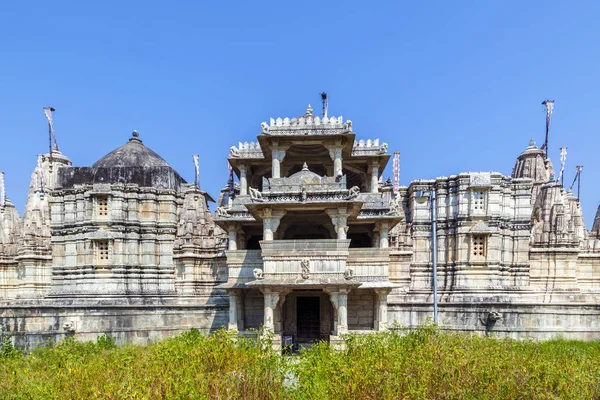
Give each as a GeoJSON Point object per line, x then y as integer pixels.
{"type": "Point", "coordinates": [339, 219]}
{"type": "Point", "coordinates": [243, 180]}
{"type": "Point", "coordinates": [384, 235]}
{"type": "Point", "coordinates": [271, 300]}
{"type": "Point", "coordinates": [374, 177]}
{"type": "Point", "coordinates": [232, 230]}
{"type": "Point", "coordinates": [277, 156]}
{"type": "Point", "coordinates": [336, 155]}
{"type": "Point", "coordinates": [233, 310]}
{"type": "Point", "coordinates": [382, 308]}
{"type": "Point", "coordinates": [271, 220]}
{"type": "Point", "coordinates": [339, 299]}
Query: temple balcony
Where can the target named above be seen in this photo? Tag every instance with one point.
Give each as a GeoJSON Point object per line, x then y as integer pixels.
{"type": "Point", "coordinates": [308, 263]}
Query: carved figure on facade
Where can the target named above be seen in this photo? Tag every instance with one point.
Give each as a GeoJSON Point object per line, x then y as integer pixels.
{"type": "Point", "coordinates": [348, 274]}
{"type": "Point", "coordinates": [348, 125]}
{"type": "Point", "coordinates": [353, 193]}
{"type": "Point", "coordinates": [264, 127]}
{"type": "Point", "coordinates": [258, 273]}
{"type": "Point", "coordinates": [395, 207]}
{"type": "Point", "coordinates": [234, 151]}
{"type": "Point", "coordinates": [222, 212]}
{"type": "Point", "coordinates": [305, 268]}
{"type": "Point", "coordinates": [256, 195]}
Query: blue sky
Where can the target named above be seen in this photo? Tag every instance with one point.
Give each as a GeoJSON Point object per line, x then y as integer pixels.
{"type": "Point", "coordinates": [453, 85]}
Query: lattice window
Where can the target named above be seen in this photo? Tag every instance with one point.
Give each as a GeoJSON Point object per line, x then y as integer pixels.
{"type": "Point", "coordinates": [102, 251]}
{"type": "Point", "coordinates": [479, 202]}
{"type": "Point", "coordinates": [479, 247]}
{"type": "Point", "coordinates": [102, 206]}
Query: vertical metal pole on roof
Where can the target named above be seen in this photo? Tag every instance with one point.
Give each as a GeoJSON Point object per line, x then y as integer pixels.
{"type": "Point", "coordinates": [434, 255]}
{"type": "Point", "coordinates": [549, 104]}
{"type": "Point", "coordinates": [579, 168]}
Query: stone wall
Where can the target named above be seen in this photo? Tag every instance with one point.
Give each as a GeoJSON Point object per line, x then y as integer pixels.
{"type": "Point", "coordinates": [361, 307]}
{"type": "Point", "coordinates": [30, 326]}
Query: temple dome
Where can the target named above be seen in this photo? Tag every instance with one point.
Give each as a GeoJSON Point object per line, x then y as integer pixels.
{"type": "Point", "coordinates": [531, 164]}
{"type": "Point", "coordinates": [131, 154]}
{"type": "Point", "coordinates": [306, 176]}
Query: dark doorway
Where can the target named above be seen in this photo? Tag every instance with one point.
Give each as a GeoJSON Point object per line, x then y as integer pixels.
{"type": "Point", "coordinates": [308, 318]}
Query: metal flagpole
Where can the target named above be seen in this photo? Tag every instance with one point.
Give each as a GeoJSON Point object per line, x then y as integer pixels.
{"type": "Point", "coordinates": [549, 104]}
{"type": "Point", "coordinates": [579, 168]}
{"type": "Point", "coordinates": [48, 111]}
{"type": "Point", "coordinates": [2, 191]}
{"type": "Point", "coordinates": [434, 255]}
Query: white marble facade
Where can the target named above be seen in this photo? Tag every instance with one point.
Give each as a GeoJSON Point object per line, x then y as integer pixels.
{"type": "Point", "coordinates": [309, 243]}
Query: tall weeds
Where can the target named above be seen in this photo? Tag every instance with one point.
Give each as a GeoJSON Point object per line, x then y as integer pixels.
{"type": "Point", "coordinates": [421, 364]}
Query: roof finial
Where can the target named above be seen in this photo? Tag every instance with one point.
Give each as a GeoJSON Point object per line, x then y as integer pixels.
{"type": "Point", "coordinates": [135, 137]}
{"type": "Point", "coordinates": [305, 167]}
{"type": "Point", "coordinates": [531, 143]}
{"type": "Point", "coordinates": [309, 110]}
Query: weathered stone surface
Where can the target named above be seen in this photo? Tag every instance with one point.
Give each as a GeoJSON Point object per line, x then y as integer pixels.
{"type": "Point", "coordinates": [309, 244]}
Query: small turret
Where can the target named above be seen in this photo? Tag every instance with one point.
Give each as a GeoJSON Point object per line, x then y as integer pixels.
{"type": "Point", "coordinates": [10, 231]}
{"type": "Point", "coordinates": [596, 226]}
{"type": "Point", "coordinates": [531, 164]}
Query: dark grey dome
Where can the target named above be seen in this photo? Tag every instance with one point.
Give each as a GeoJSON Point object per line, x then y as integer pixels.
{"type": "Point", "coordinates": [131, 154]}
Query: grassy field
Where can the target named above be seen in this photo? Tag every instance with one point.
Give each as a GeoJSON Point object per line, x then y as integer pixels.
{"type": "Point", "coordinates": [422, 364]}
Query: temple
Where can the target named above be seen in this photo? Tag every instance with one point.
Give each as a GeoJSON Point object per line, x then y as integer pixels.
{"type": "Point", "coordinates": [306, 241]}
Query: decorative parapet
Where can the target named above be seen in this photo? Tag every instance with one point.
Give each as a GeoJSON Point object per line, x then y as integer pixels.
{"type": "Point", "coordinates": [306, 125]}
{"type": "Point", "coordinates": [246, 150]}
{"type": "Point", "coordinates": [480, 180]}
{"type": "Point", "coordinates": [304, 184]}
{"type": "Point", "coordinates": [314, 260]}
{"type": "Point", "coordinates": [369, 264]}
{"type": "Point", "coordinates": [369, 147]}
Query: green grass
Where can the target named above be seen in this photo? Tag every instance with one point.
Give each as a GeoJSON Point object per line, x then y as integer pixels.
{"type": "Point", "coordinates": [422, 364]}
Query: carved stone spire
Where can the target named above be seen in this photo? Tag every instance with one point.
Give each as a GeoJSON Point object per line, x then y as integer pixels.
{"type": "Point", "coordinates": [10, 230]}
{"type": "Point", "coordinates": [596, 226]}
{"type": "Point", "coordinates": [309, 111]}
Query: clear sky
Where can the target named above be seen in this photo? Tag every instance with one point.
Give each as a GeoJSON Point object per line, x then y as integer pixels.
{"type": "Point", "coordinates": [453, 85]}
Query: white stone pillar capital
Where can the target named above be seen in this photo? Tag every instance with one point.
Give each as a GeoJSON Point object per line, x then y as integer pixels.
{"type": "Point", "coordinates": [339, 300]}
{"type": "Point", "coordinates": [339, 219]}
{"type": "Point", "coordinates": [384, 229]}
{"type": "Point", "coordinates": [382, 308]}
{"type": "Point", "coordinates": [271, 220]}
{"type": "Point", "coordinates": [277, 156]}
{"type": "Point", "coordinates": [232, 230]}
{"type": "Point", "coordinates": [335, 152]}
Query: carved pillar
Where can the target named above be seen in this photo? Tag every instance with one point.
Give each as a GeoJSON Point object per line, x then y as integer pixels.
{"type": "Point", "coordinates": [381, 317]}
{"type": "Point", "coordinates": [374, 177]}
{"type": "Point", "coordinates": [384, 235]}
{"type": "Point", "coordinates": [339, 300]}
{"type": "Point", "coordinates": [375, 239]}
{"type": "Point", "coordinates": [232, 231]}
{"type": "Point", "coordinates": [271, 300]}
{"type": "Point", "coordinates": [243, 180]}
{"type": "Point", "coordinates": [339, 219]}
{"type": "Point", "coordinates": [271, 220]}
{"type": "Point", "coordinates": [277, 156]}
{"type": "Point", "coordinates": [234, 301]}
{"type": "Point", "coordinates": [336, 155]}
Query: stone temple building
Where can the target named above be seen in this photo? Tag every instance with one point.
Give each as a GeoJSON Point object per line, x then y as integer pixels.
{"type": "Point", "coordinates": [309, 243]}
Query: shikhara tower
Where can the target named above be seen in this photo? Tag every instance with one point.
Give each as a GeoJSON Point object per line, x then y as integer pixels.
{"type": "Point", "coordinates": [308, 243]}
